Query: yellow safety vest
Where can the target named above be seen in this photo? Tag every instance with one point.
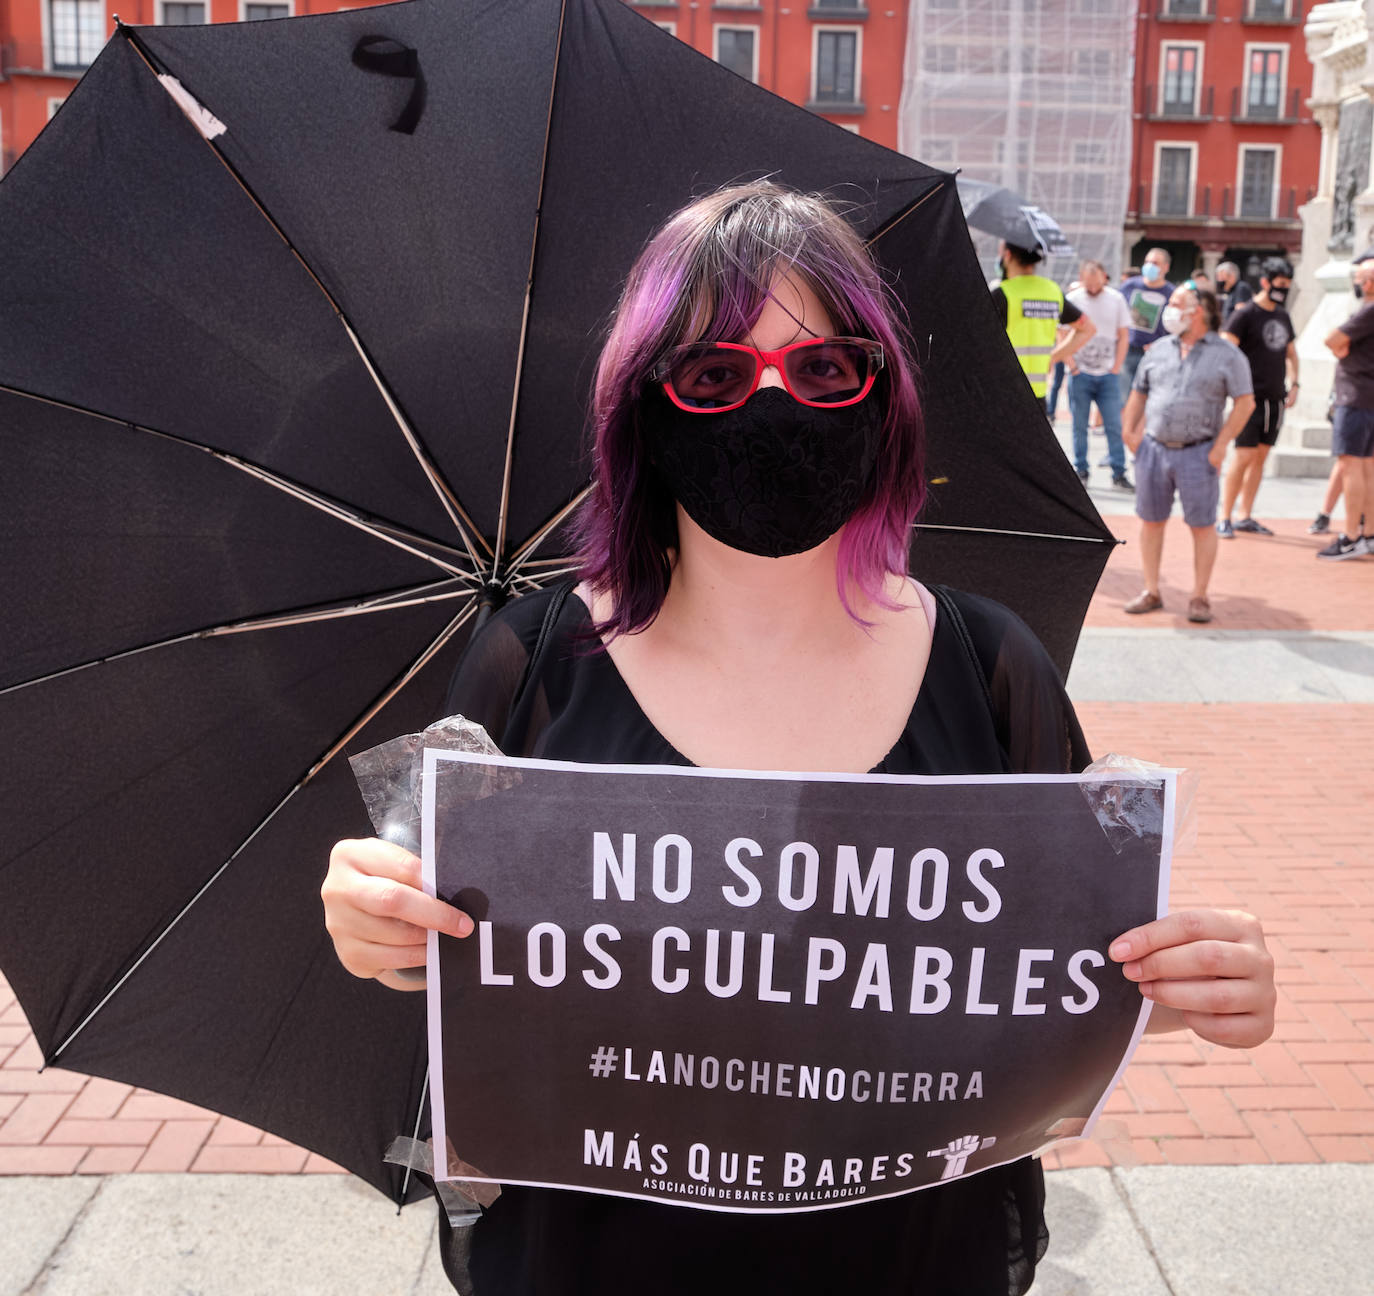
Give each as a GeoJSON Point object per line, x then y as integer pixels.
{"type": "Point", "coordinates": [1034, 304]}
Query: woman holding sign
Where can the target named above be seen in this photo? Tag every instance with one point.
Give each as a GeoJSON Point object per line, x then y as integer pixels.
{"type": "Point", "coordinates": [745, 604]}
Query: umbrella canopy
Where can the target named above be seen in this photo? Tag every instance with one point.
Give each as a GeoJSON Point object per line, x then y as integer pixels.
{"type": "Point", "coordinates": [995, 210]}
{"type": "Point", "coordinates": [298, 320]}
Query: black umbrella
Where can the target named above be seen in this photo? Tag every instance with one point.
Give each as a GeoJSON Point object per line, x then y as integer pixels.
{"type": "Point", "coordinates": [297, 321]}
{"type": "Point", "coordinates": [995, 210]}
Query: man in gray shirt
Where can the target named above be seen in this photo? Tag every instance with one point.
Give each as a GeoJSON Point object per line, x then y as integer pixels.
{"type": "Point", "coordinates": [1175, 424]}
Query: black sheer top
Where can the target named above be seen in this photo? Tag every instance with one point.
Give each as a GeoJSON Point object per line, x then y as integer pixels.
{"type": "Point", "coordinates": [991, 702]}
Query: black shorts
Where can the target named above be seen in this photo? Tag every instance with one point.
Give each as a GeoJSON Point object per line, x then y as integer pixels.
{"type": "Point", "coordinates": [1262, 427]}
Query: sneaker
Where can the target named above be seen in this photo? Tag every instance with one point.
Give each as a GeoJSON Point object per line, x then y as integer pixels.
{"type": "Point", "coordinates": [1344, 547]}
{"type": "Point", "coordinates": [1144, 602]}
{"type": "Point", "coordinates": [1082, 474]}
{"type": "Point", "coordinates": [1225, 530]}
{"type": "Point", "coordinates": [1120, 479]}
{"type": "Point", "coordinates": [1321, 525]}
{"type": "Point", "coordinates": [1253, 527]}
{"type": "Point", "coordinates": [1104, 462]}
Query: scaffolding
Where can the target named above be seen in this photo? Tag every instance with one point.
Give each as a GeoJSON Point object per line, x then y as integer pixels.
{"type": "Point", "coordinates": [1034, 95]}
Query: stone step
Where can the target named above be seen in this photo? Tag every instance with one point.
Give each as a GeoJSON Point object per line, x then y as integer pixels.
{"type": "Point", "coordinates": [1298, 461]}
{"type": "Point", "coordinates": [1316, 436]}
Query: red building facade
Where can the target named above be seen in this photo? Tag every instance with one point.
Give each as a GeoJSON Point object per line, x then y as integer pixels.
{"type": "Point", "coordinates": [839, 58]}
{"type": "Point", "coordinates": [1226, 149]}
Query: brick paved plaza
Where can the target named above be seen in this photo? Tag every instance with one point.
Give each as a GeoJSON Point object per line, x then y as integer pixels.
{"type": "Point", "coordinates": [1286, 829]}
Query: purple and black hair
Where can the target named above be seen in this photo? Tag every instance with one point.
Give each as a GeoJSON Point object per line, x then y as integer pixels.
{"type": "Point", "coordinates": [706, 275]}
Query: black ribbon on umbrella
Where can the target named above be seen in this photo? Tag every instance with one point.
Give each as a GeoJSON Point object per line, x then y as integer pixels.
{"type": "Point", "coordinates": [402, 61]}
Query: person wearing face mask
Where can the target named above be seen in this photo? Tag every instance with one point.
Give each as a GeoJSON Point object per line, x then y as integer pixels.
{"type": "Point", "coordinates": [1232, 290]}
{"type": "Point", "coordinates": [743, 602]}
{"type": "Point", "coordinates": [1033, 309]}
{"type": "Point", "coordinates": [1266, 336]}
{"type": "Point", "coordinates": [1352, 429]}
{"type": "Point", "coordinates": [1177, 426]}
{"type": "Point", "coordinates": [1146, 295]}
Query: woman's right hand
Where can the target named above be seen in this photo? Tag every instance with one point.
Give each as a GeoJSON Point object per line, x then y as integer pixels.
{"type": "Point", "coordinates": [378, 914]}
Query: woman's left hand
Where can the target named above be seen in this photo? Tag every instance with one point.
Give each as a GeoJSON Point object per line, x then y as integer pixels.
{"type": "Point", "coordinates": [1211, 966]}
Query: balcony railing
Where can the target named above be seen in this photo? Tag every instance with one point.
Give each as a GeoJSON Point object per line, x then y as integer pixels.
{"type": "Point", "coordinates": [1242, 110]}
{"type": "Point", "coordinates": [837, 105]}
{"type": "Point", "coordinates": [1219, 203]}
{"type": "Point", "coordinates": [1198, 11]}
{"type": "Point", "coordinates": [1171, 111]}
{"type": "Point", "coordinates": [849, 10]}
{"type": "Point", "coordinates": [1272, 13]}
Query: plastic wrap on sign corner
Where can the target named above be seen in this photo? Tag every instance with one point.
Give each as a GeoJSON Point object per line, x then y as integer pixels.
{"type": "Point", "coordinates": [463, 1200]}
{"type": "Point", "coordinates": [1119, 790]}
{"type": "Point", "coordinates": [389, 774]}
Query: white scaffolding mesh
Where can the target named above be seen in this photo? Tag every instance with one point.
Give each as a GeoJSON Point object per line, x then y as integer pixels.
{"type": "Point", "coordinates": [1034, 95]}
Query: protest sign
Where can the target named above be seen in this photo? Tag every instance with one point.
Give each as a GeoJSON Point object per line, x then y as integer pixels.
{"type": "Point", "coordinates": [775, 992]}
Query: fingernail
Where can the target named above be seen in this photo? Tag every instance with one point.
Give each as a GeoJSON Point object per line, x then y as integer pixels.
{"type": "Point", "coordinates": [464, 925]}
{"type": "Point", "coordinates": [1132, 969]}
{"type": "Point", "coordinates": [1121, 950]}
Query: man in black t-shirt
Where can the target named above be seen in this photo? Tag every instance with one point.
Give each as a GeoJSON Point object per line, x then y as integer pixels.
{"type": "Point", "coordinates": [1352, 429]}
{"type": "Point", "coordinates": [1232, 290]}
{"type": "Point", "coordinates": [1266, 336]}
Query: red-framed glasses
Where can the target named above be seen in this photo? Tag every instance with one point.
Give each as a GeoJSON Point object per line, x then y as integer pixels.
{"type": "Point", "coordinates": [712, 377]}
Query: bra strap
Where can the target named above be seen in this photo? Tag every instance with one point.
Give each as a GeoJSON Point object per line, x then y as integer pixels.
{"type": "Point", "coordinates": [541, 644]}
{"type": "Point", "coordinates": [949, 609]}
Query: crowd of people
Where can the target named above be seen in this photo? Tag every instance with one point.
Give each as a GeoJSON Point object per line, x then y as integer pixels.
{"type": "Point", "coordinates": [1185, 375]}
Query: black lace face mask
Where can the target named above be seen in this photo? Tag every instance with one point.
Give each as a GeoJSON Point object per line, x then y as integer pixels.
{"type": "Point", "coordinates": [774, 477]}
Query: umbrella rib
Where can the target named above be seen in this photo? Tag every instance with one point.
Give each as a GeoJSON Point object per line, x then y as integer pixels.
{"type": "Point", "coordinates": [522, 555]}
{"type": "Point", "coordinates": [444, 636]}
{"type": "Point", "coordinates": [1033, 535]}
{"type": "Point", "coordinates": [395, 687]}
{"type": "Point", "coordinates": [466, 527]}
{"type": "Point", "coordinates": [385, 603]}
{"type": "Point", "coordinates": [415, 1136]}
{"type": "Point", "coordinates": [902, 215]}
{"type": "Point", "coordinates": [463, 524]}
{"type": "Point", "coordinates": [504, 512]}
{"type": "Point", "coordinates": [387, 532]}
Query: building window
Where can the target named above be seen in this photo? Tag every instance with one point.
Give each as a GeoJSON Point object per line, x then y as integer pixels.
{"type": "Point", "coordinates": [1266, 83]}
{"type": "Point", "coordinates": [182, 15]}
{"type": "Point", "coordinates": [837, 61]}
{"type": "Point", "coordinates": [1173, 181]}
{"type": "Point", "coordinates": [736, 50]}
{"type": "Point", "coordinates": [1273, 9]}
{"type": "Point", "coordinates": [78, 31]}
{"type": "Point", "coordinates": [1180, 80]}
{"type": "Point", "coordinates": [1258, 169]}
{"type": "Point", "coordinates": [258, 12]}
{"type": "Point", "coordinates": [938, 152]}
{"type": "Point", "coordinates": [670, 27]}
{"type": "Point", "coordinates": [53, 106]}
{"type": "Point", "coordinates": [1186, 8]}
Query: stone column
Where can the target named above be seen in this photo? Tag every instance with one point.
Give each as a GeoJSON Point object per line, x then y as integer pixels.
{"type": "Point", "coordinates": [1338, 45]}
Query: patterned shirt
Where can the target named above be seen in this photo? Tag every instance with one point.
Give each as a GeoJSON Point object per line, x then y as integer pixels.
{"type": "Point", "coordinates": [1185, 400]}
